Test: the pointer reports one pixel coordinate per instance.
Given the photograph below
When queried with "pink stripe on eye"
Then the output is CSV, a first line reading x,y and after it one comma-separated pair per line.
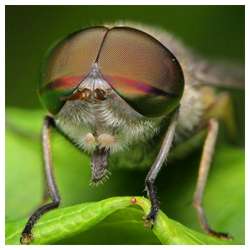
x,y
67,82
134,86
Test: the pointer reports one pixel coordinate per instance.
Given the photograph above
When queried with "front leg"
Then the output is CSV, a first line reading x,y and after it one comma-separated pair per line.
x,y
155,169
26,236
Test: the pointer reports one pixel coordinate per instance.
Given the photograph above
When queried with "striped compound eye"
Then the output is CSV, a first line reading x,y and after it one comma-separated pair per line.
x,y
136,65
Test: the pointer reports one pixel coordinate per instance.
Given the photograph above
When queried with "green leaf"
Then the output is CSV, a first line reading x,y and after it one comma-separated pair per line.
x,y
65,222
224,197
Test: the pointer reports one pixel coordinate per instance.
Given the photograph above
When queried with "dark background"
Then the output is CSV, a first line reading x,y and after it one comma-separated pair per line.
x,y
215,31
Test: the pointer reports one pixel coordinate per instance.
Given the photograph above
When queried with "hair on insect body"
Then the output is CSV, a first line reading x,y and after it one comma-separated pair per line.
x,y
108,88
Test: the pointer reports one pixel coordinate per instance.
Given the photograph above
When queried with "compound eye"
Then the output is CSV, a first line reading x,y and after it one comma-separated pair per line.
x,y
142,71
67,64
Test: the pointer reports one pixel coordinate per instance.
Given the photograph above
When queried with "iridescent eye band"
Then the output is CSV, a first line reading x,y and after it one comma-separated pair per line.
x,y
135,87
67,82
116,82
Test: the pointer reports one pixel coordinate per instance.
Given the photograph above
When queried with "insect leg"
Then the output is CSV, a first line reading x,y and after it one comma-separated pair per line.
x,y
205,163
26,235
46,194
155,169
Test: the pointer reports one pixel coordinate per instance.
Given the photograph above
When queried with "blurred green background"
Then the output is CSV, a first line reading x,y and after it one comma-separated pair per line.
x,y
215,31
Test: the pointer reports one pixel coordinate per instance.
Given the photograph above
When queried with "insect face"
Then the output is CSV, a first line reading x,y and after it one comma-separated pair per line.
x,y
94,115
116,82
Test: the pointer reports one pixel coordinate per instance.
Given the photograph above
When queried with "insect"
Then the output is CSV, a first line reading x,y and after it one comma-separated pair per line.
x,y
115,88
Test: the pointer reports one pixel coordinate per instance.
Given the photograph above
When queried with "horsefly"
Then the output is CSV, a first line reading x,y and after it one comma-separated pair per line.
x,y
113,89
